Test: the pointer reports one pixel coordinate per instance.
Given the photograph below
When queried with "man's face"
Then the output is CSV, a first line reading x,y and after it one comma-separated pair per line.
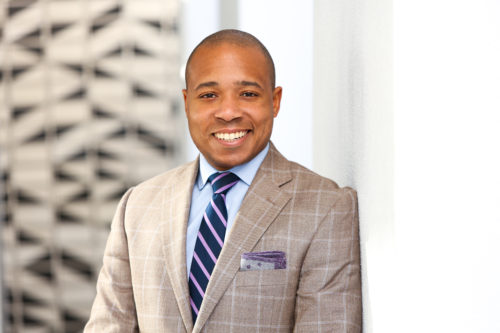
x,y
230,103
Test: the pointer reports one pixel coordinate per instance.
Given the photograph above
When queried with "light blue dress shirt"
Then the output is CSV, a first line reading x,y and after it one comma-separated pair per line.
x,y
202,194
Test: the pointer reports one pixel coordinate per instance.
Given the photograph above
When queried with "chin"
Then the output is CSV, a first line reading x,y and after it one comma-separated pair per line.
x,y
229,163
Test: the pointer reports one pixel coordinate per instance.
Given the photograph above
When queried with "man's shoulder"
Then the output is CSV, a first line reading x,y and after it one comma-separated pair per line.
x,y
310,192
302,178
306,179
177,180
169,177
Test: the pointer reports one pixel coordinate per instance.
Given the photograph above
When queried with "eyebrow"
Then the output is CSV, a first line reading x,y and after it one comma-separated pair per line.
x,y
249,83
207,84
239,83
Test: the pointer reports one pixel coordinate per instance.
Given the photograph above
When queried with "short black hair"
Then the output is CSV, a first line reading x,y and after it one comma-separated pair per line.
x,y
237,37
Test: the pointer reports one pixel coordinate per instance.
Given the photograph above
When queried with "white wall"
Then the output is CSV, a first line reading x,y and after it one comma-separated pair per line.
x,y
447,102
413,122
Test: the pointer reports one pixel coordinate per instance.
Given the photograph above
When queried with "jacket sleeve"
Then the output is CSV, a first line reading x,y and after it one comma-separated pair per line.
x,y
114,309
329,291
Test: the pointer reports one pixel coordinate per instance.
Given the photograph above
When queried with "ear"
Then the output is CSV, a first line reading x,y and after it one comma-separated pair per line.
x,y
184,93
276,100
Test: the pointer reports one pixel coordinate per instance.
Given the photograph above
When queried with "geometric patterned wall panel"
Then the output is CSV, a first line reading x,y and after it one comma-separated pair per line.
x,y
90,104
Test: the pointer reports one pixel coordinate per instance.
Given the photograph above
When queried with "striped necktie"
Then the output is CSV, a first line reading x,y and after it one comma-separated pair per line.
x,y
210,238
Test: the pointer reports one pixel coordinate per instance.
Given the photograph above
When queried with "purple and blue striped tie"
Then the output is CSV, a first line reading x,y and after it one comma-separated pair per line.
x,y
210,238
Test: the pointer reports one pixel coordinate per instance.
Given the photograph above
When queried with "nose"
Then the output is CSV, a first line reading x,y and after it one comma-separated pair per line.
x,y
229,109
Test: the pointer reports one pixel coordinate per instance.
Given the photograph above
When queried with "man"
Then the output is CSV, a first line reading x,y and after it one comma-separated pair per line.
x,y
268,246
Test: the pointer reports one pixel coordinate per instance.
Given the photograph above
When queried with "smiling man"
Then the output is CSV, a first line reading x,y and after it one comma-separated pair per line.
x,y
241,239
230,102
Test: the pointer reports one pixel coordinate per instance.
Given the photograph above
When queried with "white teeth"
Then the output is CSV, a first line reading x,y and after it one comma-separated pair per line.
x,y
230,136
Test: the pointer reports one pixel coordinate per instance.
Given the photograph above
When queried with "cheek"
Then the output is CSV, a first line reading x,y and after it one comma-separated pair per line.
x,y
197,121
195,129
266,123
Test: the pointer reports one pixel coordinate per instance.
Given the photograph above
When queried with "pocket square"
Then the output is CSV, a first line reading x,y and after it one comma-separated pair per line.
x,y
253,261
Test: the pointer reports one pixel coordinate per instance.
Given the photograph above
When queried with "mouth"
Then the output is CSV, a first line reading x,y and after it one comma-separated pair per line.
x,y
230,137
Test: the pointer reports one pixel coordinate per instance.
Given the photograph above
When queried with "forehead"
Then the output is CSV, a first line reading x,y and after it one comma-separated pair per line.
x,y
222,48
227,59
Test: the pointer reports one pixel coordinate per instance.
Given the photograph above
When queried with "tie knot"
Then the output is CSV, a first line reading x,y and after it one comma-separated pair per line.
x,y
222,181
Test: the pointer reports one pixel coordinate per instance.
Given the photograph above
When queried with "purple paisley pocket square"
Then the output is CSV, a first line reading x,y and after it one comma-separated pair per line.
x,y
255,261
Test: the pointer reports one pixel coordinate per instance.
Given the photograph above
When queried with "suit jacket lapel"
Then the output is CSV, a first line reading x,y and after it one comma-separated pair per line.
x,y
177,200
261,205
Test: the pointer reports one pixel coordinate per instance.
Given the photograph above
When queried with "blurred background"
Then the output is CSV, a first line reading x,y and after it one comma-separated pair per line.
x,y
398,99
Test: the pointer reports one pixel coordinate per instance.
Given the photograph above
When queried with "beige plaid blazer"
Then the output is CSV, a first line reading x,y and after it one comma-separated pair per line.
x,y
143,284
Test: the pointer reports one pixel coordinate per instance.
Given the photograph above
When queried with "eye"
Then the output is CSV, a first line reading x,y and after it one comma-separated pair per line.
x,y
208,95
249,94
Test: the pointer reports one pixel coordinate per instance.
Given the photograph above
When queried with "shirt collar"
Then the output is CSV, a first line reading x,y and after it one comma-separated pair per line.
x,y
246,172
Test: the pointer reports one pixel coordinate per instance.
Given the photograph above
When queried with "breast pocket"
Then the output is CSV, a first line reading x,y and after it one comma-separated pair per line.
x,y
261,278
265,295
